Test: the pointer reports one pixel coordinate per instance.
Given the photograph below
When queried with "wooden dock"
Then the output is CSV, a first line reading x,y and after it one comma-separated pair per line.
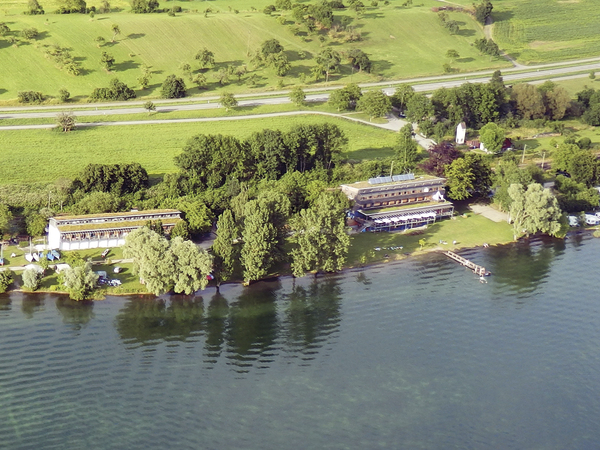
x,y
477,269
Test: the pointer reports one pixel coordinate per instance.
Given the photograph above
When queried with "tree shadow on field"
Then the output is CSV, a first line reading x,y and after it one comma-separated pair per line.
x,y
374,15
294,55
295,71
4,44
136,35
3,91
225,64
502,16
41,36
465,60
466,32
126,65
381,64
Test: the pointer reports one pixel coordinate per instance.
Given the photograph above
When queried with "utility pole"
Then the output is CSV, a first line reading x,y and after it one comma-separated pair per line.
x,y
543,159
523,157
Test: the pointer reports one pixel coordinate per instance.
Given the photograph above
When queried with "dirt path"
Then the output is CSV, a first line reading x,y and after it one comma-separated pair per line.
x,y
489,212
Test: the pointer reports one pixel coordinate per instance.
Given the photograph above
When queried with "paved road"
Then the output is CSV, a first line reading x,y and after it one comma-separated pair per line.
x,y
546,71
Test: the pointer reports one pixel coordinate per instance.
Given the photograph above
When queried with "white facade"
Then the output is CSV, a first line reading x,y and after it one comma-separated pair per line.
x,y
103,230
461,133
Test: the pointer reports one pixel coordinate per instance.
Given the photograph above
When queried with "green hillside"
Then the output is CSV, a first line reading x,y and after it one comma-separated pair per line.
x,y
401,42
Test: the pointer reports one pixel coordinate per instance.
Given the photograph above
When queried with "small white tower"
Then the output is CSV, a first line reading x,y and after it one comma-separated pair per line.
x,y
461,133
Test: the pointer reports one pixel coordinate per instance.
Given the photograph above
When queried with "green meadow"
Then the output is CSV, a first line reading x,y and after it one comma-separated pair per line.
x,y
46,155
467,229
547,30
401,42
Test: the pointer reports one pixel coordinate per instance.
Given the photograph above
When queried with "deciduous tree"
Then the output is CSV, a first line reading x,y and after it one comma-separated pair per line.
x,y
6,279
492,137
297,96
228,101
320,237
66,121
31,279
260,240
192,265
533,210
407,149
375,104
173,87
80,281
225,248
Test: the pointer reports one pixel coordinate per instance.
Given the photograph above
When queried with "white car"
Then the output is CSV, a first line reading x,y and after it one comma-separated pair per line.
x,y
573,221
592,219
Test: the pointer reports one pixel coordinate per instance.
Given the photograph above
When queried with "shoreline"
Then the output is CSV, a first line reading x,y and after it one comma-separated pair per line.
x,y
347,268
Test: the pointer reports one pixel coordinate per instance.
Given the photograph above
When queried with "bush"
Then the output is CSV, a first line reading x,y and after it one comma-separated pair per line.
x,y
31,279
269,9
173,87
117,90
29,33
64,95
144,6
30,97
6,278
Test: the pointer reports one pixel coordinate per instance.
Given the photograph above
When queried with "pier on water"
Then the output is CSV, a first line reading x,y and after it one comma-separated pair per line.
x,y
479,270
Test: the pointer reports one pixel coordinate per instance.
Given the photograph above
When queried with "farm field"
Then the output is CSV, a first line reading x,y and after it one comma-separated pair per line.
x,y
540,31
401,42
46,155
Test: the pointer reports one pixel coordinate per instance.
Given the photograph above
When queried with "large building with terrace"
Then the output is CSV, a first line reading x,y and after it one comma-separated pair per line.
x,y
104,230
398,203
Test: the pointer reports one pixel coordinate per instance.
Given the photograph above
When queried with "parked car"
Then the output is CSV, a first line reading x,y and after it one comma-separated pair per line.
x,y
105,253
117,269
592,219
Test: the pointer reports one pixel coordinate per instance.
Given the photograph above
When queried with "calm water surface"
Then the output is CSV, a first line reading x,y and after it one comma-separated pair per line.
x,y
417,354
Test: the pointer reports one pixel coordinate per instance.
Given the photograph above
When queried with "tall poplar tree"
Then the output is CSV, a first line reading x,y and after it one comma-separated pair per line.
x,y
260,241
224,250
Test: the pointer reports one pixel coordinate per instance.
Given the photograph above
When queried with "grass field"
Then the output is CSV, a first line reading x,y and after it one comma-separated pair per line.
x,y
402,42
469,231
547,30
46,155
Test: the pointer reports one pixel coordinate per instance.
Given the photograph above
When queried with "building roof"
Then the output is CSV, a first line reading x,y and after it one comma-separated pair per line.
x,y
416,181
106,226
117,214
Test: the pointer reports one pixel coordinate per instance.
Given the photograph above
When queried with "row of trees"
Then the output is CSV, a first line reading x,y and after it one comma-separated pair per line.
x,y
209,160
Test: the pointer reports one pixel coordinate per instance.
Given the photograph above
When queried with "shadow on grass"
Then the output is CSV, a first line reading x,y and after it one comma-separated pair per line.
x,y
502,16
126,65
136,35
466,32
465,60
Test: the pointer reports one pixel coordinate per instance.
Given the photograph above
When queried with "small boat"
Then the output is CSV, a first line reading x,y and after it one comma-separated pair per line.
x,y
55,254
36,257
29,257
50,256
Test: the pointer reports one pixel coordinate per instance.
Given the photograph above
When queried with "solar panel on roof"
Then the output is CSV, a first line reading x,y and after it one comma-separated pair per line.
x,y
404,177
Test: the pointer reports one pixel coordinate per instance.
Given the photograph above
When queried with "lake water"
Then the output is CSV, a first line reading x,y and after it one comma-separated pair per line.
x,y
415,354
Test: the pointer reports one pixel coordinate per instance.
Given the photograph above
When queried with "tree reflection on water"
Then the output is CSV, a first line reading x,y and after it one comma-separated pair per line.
x,y
249,326
76,314
524,265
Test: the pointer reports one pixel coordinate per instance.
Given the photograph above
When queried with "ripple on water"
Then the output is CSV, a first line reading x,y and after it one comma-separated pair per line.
x,y
414,354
